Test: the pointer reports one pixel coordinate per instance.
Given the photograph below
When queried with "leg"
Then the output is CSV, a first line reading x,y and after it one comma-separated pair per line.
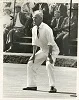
x,y
32,68
5,39
10,35
50,71
10,38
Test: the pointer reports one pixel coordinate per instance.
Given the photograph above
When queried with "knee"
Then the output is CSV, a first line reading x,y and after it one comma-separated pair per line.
x,y
11,31
65,36
49,65
30,63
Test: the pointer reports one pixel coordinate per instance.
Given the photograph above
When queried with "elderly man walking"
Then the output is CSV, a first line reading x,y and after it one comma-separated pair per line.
x,y
42,36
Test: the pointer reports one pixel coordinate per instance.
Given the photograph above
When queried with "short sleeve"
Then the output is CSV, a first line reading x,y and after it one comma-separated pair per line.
x,y
51,41
50,37
33,36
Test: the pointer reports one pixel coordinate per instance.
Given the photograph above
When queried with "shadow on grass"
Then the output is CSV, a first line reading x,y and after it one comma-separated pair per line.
x,y
59,92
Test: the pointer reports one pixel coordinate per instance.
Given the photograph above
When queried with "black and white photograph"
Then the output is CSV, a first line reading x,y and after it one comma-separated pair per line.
x,y
40,49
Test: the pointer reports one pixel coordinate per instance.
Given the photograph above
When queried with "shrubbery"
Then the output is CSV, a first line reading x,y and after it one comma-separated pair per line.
x,y
62,62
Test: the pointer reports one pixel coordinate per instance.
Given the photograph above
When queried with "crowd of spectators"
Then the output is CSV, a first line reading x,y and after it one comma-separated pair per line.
x,y
57,16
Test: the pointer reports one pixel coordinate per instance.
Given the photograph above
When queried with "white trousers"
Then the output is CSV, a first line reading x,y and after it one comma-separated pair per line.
x,y
40,57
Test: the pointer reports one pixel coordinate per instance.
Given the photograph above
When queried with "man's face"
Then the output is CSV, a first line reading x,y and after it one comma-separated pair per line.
x,y
57,14
37,20
18,9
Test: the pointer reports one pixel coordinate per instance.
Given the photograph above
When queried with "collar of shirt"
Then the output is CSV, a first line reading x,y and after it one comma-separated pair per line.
x,y
41,25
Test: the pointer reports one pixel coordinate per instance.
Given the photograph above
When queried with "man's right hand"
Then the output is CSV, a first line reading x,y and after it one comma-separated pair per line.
x,y
33,58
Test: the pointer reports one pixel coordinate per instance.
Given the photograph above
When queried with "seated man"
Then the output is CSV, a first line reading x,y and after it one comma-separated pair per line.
x,y
56,26
20,22
6,25
64,36
56,23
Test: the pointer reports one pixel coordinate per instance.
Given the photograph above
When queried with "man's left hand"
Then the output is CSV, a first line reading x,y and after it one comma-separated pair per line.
x,y
50,59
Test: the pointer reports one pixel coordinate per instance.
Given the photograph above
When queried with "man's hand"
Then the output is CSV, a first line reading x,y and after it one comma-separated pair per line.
x,y
49,58
33,58
55,29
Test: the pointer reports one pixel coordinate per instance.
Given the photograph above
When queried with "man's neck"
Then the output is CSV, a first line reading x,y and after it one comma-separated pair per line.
x,y
39,24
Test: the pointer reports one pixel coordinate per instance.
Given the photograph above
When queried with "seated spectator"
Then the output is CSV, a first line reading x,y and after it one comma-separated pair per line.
x,y
7,25
67,32
56,26
62,8
56,23
20,24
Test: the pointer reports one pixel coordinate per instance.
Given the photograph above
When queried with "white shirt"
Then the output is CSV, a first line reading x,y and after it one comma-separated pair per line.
x,y
18,23
45,38
6,20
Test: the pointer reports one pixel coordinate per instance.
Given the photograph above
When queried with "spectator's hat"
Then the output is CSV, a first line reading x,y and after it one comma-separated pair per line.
x,y
18,5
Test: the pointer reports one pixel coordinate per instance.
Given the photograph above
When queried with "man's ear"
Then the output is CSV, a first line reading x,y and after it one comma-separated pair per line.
x,y
41,19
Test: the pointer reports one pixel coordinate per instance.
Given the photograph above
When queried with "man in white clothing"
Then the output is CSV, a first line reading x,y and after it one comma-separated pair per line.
x,y
42,36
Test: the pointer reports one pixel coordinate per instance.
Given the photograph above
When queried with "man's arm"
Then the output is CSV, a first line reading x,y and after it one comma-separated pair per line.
x,y
53,48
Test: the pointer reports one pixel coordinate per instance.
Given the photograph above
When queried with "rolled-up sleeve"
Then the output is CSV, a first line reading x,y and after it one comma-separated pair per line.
x,y
33,36
50,37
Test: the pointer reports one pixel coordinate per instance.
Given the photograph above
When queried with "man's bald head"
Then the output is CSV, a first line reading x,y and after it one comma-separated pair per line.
x,y
37,17
38,13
